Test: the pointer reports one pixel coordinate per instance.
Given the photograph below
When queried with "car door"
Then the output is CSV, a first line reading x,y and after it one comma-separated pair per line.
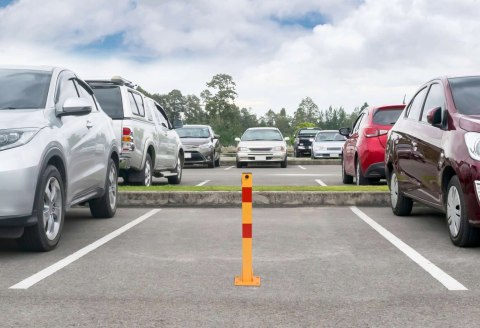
x,y
167,153
351,146
158,134
216,142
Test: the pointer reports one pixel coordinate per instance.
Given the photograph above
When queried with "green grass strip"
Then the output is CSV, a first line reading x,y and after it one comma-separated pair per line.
x,y
255,188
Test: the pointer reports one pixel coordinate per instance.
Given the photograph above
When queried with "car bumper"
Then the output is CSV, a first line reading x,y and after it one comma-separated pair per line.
x,y
326,153
376,170
245,157
471,189
198,156
18,179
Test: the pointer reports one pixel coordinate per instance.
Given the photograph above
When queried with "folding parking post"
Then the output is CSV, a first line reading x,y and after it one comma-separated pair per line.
x,y
247,278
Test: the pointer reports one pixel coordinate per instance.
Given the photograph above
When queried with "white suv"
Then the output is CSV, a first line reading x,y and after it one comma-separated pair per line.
x,y
149,144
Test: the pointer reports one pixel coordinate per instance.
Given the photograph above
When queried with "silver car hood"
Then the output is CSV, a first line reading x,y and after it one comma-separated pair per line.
x,y
261,144
16,119
194,141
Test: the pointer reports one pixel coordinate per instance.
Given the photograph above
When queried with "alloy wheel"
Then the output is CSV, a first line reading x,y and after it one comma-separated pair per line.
x,y
148,174
52,208
112,190
454,211
394,190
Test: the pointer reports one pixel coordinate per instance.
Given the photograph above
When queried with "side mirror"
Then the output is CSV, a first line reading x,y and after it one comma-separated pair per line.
x,y
286,138
237,139
216,136
344,132
75,106
434,116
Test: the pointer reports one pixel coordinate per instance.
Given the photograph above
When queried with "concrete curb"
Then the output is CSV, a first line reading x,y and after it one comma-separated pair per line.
x,y
260,199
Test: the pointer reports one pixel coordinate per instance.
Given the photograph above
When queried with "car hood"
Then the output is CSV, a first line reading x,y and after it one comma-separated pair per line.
x,y
470,123
329,143
261,144
16,119
194,141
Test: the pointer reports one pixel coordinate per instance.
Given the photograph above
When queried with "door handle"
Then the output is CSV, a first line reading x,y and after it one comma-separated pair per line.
x,y
89,124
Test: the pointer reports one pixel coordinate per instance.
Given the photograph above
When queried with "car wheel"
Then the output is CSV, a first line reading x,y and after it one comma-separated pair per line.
x,y
217,162
147,172
346,179
461,232
211,164
361,180
50,212
106,206
176,179
239,165
284,163
401,205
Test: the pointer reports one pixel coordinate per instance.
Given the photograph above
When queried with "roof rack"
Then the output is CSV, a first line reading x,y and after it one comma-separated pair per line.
x,y
115,80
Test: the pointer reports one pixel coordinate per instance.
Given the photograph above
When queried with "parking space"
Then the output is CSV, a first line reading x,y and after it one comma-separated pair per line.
x,y
293,175
319,267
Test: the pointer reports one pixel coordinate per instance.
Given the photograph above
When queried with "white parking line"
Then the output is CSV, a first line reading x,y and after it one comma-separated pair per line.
x,y
302,167
228,168
437,273
203,183
32,280
320,182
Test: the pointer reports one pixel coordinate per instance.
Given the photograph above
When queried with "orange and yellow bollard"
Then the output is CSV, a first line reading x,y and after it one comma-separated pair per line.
x,y
247,278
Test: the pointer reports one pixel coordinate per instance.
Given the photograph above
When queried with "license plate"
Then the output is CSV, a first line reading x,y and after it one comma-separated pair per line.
x,y
188,155
260,158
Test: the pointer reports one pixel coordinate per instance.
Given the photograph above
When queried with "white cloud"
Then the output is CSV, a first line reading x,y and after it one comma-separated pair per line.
x,y
375,51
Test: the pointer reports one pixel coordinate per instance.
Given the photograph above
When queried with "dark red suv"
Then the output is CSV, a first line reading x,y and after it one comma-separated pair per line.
x,y
364,151
433,155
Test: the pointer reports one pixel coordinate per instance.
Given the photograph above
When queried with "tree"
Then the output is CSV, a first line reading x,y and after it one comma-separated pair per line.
x,y
307,111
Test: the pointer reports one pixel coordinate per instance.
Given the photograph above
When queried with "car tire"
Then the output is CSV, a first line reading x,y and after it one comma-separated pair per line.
x,y
361,180
217,161
239,165
401,204
50,211
106,206
461,232
146,172
284,163
211,164
346,179
176,179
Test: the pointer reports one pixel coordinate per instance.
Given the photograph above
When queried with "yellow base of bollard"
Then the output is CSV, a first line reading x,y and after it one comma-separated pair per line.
x,y
239,282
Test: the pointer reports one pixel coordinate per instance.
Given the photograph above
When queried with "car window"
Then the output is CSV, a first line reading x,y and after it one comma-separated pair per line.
x,y
65,89
329,136
149,108
356,125
435,98
466,94
85,94
23,89
110,99
387,116
133,104
140,105
308,132
262,134
162,119
415,107
193,132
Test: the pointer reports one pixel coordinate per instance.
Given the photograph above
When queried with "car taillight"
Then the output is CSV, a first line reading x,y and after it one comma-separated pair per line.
x,y
127,139
373,132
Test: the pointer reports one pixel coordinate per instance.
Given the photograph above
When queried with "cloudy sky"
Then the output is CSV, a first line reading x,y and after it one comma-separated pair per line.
x,y
338,52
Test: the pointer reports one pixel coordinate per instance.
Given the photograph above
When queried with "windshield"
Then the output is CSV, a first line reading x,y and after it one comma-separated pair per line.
x,y
23,89
110,100
262,134
330,136
387,116
466,94
308,132
193,132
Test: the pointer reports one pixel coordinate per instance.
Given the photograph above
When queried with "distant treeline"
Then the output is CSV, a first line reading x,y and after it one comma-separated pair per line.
x,y
216,107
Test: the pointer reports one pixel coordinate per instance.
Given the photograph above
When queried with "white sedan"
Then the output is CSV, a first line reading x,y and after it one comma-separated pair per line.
x,y
327,143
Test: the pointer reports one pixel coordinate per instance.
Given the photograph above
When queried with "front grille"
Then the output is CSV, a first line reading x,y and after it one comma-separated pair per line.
x,y
260,149
334,148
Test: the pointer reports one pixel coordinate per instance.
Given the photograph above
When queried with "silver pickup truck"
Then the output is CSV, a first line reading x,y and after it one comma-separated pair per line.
x,y
149,144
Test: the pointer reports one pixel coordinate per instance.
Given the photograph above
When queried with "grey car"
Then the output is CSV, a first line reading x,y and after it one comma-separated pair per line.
x,y
201,145
57,149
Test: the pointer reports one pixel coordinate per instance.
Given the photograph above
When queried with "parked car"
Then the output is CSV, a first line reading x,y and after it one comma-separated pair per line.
x,y
201,145
327,143
262,145
363,153
302,144
433,155
150,145
57,149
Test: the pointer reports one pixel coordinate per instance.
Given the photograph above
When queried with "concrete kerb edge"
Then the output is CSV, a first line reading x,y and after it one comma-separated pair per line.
x,y
260,199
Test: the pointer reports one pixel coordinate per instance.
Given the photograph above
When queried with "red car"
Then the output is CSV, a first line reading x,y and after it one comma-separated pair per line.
x,y
433,155
363,153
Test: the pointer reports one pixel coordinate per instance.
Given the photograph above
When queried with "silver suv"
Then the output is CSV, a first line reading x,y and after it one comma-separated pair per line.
x,y
57,149
149,144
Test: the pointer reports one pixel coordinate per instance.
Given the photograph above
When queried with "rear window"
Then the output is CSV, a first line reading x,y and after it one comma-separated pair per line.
x,y
466,94
387,116
110,98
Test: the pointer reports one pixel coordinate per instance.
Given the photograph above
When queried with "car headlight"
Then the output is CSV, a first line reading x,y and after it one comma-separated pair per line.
x,y
278,148
12,138
242,149
311,139
472,140
207,145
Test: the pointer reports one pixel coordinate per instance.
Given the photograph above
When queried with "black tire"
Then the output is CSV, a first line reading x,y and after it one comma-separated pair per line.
x,y
217,161
401,204
284,163
211,164
361,180
346,179
465,234
176,179
146,172
106,206
239,165
42,238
